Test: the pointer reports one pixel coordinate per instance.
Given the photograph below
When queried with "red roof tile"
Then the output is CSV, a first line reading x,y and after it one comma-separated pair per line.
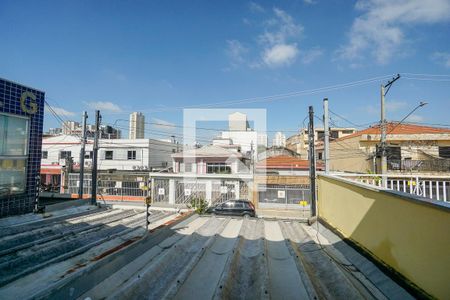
x,y
284,162
394,128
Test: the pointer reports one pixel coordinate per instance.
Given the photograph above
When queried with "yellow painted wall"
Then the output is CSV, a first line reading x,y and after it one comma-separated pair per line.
x,y
413,238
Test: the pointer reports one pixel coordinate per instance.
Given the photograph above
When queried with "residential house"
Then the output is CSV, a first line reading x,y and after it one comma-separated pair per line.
x,y
61,155
214,173
282,182
410,148
299,141
211,159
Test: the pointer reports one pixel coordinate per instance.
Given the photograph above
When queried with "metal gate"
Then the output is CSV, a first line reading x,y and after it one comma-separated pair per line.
x,y
284,196
186,191
161,190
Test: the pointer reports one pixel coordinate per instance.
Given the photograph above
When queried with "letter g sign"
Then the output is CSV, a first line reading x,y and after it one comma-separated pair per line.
x,y
32,106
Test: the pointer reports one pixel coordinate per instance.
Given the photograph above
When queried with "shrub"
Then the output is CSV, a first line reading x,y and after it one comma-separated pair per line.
x,y
199,205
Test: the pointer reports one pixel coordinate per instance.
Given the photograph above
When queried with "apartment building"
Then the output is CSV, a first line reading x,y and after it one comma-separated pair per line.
x,y
61,154
137,126
299,142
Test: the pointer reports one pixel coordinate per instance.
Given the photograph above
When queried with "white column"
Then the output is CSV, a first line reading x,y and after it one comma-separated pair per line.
x,y
171,191
237,190
208,191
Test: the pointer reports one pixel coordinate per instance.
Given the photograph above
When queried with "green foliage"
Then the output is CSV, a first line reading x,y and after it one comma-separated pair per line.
x,y
199,205
376,178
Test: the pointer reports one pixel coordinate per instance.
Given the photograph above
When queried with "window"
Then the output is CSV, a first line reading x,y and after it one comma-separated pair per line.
x,y
238,204
131,154
444,152
320,156
65,154
13,154
228,204
108,155
393,153
44,154
218,168
347,131
13,135
320,135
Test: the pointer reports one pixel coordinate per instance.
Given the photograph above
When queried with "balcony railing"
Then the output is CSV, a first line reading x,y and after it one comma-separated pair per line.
x,y
433,187
434,165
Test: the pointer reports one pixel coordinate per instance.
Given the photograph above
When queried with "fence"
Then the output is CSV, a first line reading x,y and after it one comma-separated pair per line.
x,y
112,187
435,165
284,196
182,190
433,187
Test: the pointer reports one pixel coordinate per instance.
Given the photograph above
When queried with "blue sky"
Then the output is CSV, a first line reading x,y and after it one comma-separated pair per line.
x,y
159,56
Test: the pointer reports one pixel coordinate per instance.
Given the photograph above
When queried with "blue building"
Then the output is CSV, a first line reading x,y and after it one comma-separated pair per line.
x,y
21,121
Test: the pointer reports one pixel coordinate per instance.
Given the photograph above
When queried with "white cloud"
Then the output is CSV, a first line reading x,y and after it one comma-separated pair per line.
x,y
309,1
415,118
280,55
390,107
278,40
115,75
311,55
277,44
104,106
162,124
281,29
256,8
442,58
394,106
60,111
236,51
381,28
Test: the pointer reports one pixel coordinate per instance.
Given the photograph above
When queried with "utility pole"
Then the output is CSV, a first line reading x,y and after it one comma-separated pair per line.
x,y
327,136
252,158
383,123
312,160
82,153
383,134
95,158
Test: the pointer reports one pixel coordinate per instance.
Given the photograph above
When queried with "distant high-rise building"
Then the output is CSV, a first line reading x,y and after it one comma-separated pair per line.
x,y
238,122
137,125
279,140
54,131
109,132
70,127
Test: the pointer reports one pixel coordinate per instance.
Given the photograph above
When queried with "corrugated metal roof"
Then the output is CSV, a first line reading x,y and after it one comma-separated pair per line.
x,y
235,258
89,255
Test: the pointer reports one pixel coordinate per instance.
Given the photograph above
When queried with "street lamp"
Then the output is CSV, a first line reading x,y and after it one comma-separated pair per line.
x,y
384,163
421,104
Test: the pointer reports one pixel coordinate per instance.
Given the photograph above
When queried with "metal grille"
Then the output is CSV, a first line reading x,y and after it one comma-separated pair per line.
x,y
222,192
161,190
125,186
289,196
186,191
